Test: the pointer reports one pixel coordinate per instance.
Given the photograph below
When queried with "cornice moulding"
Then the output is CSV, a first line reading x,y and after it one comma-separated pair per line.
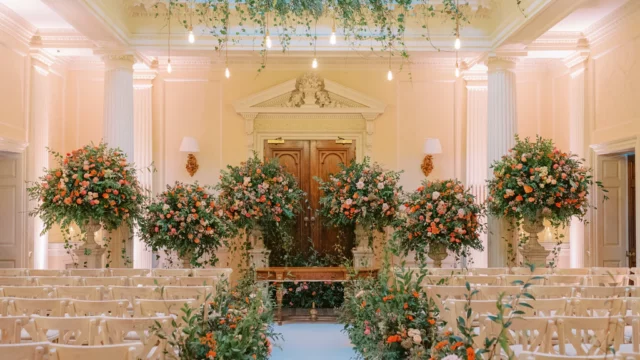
x,y
608,25
14,25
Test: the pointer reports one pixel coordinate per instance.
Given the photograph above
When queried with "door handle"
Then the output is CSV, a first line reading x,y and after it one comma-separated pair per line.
x,y
631,254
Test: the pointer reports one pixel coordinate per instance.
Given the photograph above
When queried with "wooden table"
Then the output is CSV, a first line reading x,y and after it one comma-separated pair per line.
x,y
279,275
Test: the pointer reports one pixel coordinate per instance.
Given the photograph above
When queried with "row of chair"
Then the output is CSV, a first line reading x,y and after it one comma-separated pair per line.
x,y
106,272
490,292
576,280
536,271
51,351
109,281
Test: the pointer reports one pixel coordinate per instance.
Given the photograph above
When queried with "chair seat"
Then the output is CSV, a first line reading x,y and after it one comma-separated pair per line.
x,y
628,334
626,348
132,336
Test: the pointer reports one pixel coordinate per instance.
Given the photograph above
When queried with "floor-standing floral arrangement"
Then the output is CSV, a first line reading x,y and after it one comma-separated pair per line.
x,y
260,196
441,216
537,181
186,218
94,187
361,194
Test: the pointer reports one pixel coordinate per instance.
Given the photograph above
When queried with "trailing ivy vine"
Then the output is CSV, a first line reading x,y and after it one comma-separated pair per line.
x,y
381,24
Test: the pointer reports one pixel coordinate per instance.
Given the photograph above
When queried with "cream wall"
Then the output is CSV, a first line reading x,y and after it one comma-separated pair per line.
x,y
14,89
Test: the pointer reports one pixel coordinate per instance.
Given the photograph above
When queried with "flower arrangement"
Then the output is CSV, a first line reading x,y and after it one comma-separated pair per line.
x,y
360,193
185,218
92,184
536,179
259,193
390,321
237,326
303,295
440,213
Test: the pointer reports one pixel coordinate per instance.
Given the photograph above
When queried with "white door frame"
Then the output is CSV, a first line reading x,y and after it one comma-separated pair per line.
x,y
18,148
628,144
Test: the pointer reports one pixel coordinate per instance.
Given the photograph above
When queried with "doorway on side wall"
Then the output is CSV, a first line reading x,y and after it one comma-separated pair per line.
x,y
615,217
306,160
13,250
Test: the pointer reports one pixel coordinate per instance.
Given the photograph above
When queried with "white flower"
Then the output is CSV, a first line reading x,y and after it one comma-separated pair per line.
x,y
385,207
417,339
459,197
380,185
265,185
349,202
413,332
359,185
165,207
435,195
461,213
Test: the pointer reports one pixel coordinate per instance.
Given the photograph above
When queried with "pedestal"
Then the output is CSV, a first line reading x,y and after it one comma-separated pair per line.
x,y
89,255
532,251
362,253
258,253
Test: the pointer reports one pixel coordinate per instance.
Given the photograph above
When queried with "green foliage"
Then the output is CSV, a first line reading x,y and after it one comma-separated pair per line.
x,y
440,212
361,193
537,179
237,326
185,218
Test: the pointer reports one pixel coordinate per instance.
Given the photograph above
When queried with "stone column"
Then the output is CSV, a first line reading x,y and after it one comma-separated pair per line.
x,y
476,152
37,154
118,132
143,155
577,66
501,128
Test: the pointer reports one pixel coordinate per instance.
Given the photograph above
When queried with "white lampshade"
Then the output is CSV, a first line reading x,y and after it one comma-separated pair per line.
x,y
189,145
432,146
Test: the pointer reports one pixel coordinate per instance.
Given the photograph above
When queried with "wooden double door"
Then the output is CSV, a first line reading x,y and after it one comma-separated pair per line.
x,y
306,160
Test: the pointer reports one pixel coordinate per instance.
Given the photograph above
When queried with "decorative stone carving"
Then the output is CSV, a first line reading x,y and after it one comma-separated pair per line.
x,y
310,92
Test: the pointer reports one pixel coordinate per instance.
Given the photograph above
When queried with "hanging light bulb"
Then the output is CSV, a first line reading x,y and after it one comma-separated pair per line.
x,y
332,38
169,69
314,63
227,73
192,38
457,43
390,75
267,40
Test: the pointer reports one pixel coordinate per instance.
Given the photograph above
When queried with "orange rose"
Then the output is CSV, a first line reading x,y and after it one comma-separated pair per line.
x,y
471,355
528,189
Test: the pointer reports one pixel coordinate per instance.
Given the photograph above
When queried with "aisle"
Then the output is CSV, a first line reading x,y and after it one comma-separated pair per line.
x,y
313,341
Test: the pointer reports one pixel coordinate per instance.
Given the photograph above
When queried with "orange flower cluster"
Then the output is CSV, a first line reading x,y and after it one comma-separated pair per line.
x,y
210,342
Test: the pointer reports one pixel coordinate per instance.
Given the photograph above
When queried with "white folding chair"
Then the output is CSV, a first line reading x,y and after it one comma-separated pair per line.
x,y
132,293
15,281
154,308
547,307
115,308
128,272
566,280
46,272
11,328
523,334
79,292
219,272
171,272
551,291
609,271
127,351
603,292
122,331
520,280
197,281
198,293
71,330
545,356
588,336
633,323
608,280
442,293
42,307
489,292
88,272
27,351
570,271
438,280
12,272
489,271
598,307
479,280
57,281
456,308
151,281
527,271
28,292
445,272
105,281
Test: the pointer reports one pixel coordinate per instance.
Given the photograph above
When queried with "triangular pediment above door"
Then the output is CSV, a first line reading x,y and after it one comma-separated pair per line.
x,y
307,95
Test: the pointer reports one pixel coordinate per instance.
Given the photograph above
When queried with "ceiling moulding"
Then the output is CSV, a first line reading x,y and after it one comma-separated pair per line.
x,y
60,38
556,40
515,22
14,25
608,25
534,65
84,64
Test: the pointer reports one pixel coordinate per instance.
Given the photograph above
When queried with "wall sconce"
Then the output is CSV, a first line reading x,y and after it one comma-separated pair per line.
x,y
431,146
190,145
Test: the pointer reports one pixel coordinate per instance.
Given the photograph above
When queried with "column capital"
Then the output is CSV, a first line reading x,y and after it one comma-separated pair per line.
x,y
475,80
41,61
143,79
501,63
118,60
577,62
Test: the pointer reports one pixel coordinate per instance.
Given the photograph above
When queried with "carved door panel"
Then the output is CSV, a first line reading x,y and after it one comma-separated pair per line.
x,y
12,242
611,215
294,156
326,155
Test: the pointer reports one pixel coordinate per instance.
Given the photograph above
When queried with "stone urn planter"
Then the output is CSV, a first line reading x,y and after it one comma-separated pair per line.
x,y
362,253
89,254
437,253
532,251
259,254
186,259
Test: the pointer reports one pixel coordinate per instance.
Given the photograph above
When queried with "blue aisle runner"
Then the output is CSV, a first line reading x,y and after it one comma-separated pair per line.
x,y
312,341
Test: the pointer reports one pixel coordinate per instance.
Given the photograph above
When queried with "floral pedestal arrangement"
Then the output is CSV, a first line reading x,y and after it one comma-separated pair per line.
x,y
532,251
437,253
362,253
90,254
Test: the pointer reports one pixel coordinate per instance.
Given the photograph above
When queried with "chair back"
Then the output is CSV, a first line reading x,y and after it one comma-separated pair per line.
x,y
12,272
171,272
26,351
551,291
438,280
219,272
57,281
105,281
11,328
28,292
489,271
198,293
527,271
442,293
603,292
479,280
598,307
493,292
88,272
42,307
15,281
46,272
128,351
151,281
132,293
566,280
570,271
608,280
519,280
79,292
531,333
117,331
153,308
588,336
197,281
609,271
71,330
128,272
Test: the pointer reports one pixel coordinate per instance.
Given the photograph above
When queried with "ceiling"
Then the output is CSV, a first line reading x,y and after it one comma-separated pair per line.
x,y
37,14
